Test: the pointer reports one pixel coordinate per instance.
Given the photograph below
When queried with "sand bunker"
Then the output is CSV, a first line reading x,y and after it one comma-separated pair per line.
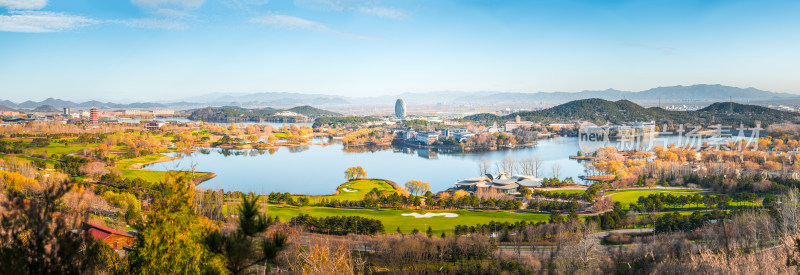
x,y
348,190
429,215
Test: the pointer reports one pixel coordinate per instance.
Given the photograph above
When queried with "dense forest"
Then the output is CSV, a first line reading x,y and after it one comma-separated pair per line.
x,y
236,114
603,111
343,121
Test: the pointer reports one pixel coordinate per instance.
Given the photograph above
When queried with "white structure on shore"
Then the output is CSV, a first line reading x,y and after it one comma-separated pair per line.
x,y
500,181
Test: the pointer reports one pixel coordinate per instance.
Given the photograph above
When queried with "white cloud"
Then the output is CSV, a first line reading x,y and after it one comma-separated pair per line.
x,y
290,22
37,21
165,14
23,4
385,12
152,23
372,7
158,4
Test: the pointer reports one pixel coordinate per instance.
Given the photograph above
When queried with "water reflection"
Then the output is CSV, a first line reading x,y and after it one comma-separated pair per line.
x,y
318,169
298,149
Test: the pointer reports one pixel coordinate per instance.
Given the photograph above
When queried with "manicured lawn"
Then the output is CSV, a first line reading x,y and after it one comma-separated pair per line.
x,y
49,162
632,195
147,175
123,164
59,148
361,188
392,219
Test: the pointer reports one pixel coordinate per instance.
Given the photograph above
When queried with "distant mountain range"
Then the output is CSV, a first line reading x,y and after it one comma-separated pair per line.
x,y
674,94
58,103
601,111
700,92
267,99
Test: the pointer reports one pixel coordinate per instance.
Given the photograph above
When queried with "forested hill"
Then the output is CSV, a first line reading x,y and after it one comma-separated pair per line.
x,y
602,111
236,114
312,112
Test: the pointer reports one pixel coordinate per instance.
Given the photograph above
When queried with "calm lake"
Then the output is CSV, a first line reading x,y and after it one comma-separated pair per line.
x,y
319,169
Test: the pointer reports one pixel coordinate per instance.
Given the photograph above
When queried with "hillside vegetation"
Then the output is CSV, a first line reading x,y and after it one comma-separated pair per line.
x,y
603,111
236,114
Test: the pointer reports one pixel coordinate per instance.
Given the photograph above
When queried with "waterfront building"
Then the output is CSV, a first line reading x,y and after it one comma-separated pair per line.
x,y
463,137
493,129
288,113
499,181
452,132
517,123
427,137
408,135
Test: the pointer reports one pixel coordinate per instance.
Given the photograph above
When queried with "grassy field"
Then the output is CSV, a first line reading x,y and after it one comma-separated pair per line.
x,y
392,219
147,175
632,195
124,164
60,148
361,187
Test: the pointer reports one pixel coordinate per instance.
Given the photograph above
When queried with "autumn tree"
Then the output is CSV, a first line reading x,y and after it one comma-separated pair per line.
x,y
35,240
417,187
525,191
354,173
93,169
170,236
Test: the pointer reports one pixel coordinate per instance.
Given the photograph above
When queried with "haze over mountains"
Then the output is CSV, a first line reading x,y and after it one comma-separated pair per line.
x,y
674,94
602,111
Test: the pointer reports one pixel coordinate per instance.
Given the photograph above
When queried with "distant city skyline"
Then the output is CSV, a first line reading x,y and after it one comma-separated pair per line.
x,y
151,50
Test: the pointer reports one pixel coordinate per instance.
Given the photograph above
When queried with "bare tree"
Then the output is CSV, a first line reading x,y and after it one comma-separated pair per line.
x,y
483,166
556,170
526,166
537,165
790,212
587,250
508,165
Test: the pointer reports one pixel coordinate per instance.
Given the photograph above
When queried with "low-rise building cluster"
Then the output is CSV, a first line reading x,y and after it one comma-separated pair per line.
x,y
509,184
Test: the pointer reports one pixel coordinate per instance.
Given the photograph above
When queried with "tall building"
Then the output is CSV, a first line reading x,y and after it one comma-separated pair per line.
x,y
93,117
66,111
400,108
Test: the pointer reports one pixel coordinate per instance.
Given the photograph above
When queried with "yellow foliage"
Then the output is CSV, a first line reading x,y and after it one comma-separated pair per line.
x,y
460,193
16,181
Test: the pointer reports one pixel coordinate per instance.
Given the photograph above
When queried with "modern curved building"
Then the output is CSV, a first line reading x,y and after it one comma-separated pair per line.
x,y
400,108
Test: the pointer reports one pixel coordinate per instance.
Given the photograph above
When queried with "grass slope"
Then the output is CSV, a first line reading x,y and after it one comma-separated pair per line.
x,y
627,196
147,175
60,148
361,187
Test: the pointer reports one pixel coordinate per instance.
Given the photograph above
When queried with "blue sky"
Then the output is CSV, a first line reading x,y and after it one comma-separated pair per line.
x,y
149,50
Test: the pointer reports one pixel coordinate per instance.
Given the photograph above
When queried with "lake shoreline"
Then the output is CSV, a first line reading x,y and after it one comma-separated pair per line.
x,y
317,170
